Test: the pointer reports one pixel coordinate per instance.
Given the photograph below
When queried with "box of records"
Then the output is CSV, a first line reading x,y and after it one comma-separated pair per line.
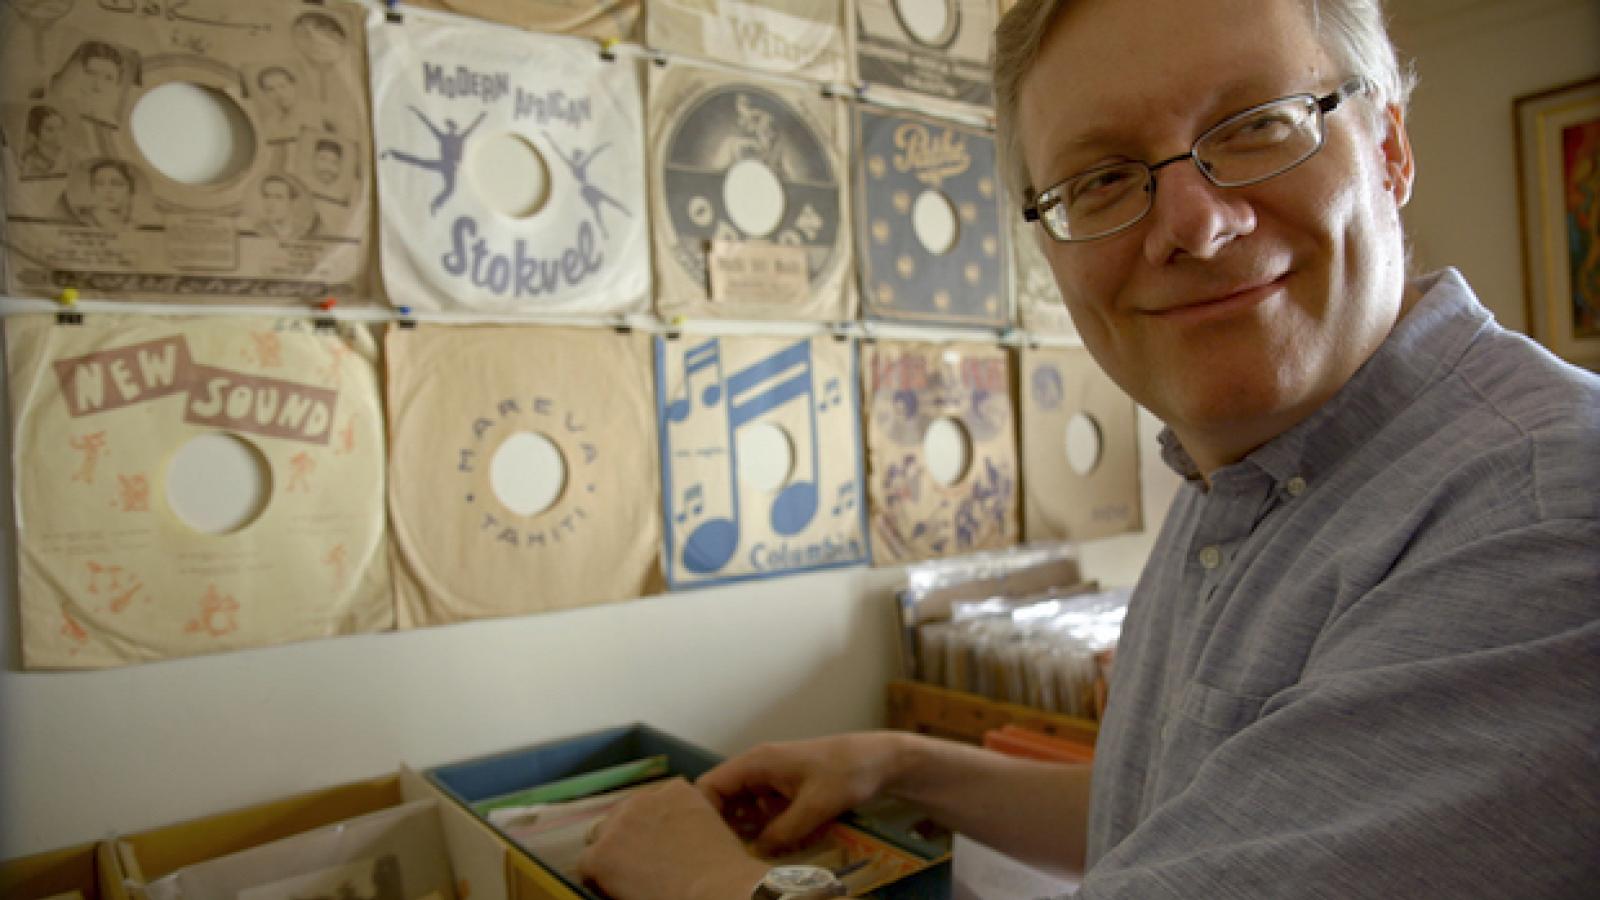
x,y
546,797
390,838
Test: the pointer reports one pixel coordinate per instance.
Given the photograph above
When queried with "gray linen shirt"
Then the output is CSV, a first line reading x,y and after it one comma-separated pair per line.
x,y
1366,661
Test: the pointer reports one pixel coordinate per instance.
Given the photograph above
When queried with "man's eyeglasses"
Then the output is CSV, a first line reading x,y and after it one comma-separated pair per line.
x,y
1245,148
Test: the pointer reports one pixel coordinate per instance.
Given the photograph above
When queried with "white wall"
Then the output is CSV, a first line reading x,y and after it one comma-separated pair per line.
x,y
1475,57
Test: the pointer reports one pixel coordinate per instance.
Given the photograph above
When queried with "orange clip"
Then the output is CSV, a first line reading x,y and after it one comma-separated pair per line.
x,y
327,304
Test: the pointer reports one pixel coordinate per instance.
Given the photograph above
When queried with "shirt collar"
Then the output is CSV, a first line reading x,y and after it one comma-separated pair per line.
x,y
1420,351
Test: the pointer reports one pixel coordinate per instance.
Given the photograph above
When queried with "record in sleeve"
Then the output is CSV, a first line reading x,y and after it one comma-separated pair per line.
x,y
510,171
916,50
604,20
923,507
283,218
760,458
932,248
797,38
1038,301
740,161
523,474
1080,454
114,567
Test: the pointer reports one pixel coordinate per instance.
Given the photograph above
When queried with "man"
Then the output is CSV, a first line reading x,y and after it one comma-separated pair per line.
x,y
278,219
327,162
1361,661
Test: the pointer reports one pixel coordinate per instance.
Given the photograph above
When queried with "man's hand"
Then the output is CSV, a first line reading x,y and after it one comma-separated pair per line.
x,y
779,795
668,843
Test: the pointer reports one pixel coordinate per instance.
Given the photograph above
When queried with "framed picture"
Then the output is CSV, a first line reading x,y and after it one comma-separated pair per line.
x,y
1558,162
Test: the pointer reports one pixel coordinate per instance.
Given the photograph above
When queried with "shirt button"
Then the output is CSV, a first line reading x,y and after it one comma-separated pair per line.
x,y
1295,486
1210,557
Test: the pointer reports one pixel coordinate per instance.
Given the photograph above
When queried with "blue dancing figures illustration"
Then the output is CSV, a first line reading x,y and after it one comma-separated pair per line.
x,y
452,147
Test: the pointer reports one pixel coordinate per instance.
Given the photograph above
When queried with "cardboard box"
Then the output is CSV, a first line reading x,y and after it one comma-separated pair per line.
x,y
51,874
485,866
471,781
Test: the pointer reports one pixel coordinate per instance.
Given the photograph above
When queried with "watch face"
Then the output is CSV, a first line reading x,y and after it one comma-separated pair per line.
x,y
789,879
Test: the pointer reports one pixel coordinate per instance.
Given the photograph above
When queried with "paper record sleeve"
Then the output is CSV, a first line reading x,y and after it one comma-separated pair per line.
x,y
917,52
707,131
760,457
470,406
110,571
605,20
1080,453
931,246
908,387
469,118
283,218
796,38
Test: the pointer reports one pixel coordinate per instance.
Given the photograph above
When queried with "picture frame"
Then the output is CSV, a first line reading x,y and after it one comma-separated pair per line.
x,y
1558,182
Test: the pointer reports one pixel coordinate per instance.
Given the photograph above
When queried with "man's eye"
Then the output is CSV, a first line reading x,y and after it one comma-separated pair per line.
x,y
1098,184
1260,131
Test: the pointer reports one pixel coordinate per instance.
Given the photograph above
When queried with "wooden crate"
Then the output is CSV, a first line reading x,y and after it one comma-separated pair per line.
x,y
929,709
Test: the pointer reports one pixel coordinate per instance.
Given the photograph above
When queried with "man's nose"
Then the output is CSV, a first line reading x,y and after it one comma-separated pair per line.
x,y
1190,216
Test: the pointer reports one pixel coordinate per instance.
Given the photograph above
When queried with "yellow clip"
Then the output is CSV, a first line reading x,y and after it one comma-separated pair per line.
x,y
69,297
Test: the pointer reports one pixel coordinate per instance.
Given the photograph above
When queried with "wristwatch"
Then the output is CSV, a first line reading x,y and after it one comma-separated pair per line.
x,y
799,883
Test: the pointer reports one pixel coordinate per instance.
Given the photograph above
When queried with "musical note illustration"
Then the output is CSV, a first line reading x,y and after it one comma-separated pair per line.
x,y
752,393
693,504
705,356
832,395
847,498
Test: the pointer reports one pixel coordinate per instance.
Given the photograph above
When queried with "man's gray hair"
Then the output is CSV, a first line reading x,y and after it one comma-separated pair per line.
x,y
1352,31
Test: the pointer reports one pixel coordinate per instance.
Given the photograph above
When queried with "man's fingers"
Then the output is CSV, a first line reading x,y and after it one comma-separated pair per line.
x,y
793,826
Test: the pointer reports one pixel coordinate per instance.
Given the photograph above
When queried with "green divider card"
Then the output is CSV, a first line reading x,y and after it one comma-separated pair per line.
x,y
577,786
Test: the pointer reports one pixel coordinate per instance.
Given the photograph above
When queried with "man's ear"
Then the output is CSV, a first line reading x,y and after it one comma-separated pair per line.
x,y
1399,166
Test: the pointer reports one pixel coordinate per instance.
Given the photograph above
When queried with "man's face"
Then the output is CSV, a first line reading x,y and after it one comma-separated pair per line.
x,y
1231,313
280,88
325,164
275,200
111,190
100,76
48,140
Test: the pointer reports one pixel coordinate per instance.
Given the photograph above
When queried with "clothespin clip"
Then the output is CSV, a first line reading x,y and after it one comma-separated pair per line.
x,y
68,314
621,325
393,13
405,320
841,331
326,323
659,58
608,49
674,326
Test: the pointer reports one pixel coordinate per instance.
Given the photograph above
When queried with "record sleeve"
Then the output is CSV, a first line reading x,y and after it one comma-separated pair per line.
x,y
915,50
909,387
475,412
105,416
732,412
284,218
451,100
1080,436
603,20
397,853
741,165
932,249
1040,308
797,38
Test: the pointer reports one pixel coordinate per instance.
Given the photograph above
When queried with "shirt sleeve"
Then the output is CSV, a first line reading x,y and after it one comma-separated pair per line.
x,y
1443,741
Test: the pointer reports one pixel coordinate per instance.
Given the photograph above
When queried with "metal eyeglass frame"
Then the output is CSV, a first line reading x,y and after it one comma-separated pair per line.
x,y
1327,103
